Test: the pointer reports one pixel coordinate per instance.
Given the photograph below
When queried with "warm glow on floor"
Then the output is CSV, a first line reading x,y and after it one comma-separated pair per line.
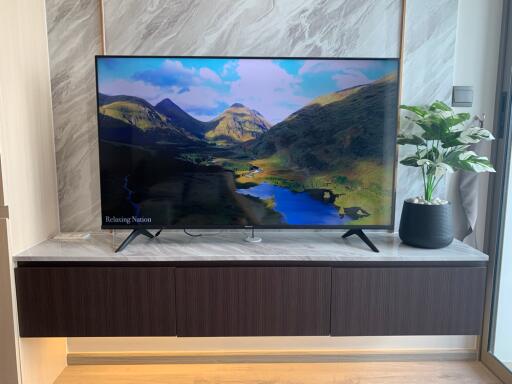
x,y
297,373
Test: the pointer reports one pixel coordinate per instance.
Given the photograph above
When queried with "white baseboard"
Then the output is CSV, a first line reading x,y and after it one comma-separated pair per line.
x,y
270,356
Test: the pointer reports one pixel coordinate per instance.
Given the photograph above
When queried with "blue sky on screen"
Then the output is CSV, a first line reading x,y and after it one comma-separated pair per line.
x,y
206,87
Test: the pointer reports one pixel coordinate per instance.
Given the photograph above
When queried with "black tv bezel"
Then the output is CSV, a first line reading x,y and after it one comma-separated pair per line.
x,y
389,226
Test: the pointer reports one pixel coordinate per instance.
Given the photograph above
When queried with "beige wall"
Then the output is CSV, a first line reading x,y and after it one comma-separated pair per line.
x,y
29,176
9,367
476,64
42,360
26,138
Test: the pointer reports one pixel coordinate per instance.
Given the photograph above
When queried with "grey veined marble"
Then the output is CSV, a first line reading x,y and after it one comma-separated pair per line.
x,y
427,75
351,28
73,40
229,246
342,28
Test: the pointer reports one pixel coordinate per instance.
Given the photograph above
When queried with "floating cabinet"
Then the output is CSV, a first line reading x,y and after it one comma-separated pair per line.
x,y
212,299
407,301
96,301
253,301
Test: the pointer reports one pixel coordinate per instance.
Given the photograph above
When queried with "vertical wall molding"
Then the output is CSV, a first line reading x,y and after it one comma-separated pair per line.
x,y
102,28
401,51
403,14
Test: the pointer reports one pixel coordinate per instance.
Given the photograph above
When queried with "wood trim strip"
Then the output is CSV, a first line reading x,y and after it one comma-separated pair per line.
x,y
400,92
284,356
4,211
1,185
402,31
103,49
401,53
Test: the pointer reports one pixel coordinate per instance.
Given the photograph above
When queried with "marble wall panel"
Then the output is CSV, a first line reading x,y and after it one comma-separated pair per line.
x,y
73,40
427,75
343,28
254,27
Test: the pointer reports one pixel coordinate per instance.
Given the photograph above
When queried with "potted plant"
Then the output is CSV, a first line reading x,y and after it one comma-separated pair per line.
x,y
442,140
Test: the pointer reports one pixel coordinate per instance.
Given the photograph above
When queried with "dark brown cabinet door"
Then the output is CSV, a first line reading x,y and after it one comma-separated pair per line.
x,y
407,301
96,301
253,301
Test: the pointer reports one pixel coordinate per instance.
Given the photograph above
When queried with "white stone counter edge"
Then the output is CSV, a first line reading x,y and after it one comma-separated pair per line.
x,y
229,246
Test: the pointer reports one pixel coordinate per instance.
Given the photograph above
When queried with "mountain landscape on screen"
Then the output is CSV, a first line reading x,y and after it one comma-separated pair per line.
x,y
212,142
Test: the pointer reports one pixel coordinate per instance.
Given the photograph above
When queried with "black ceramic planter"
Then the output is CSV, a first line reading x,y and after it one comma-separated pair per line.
x,y
426,226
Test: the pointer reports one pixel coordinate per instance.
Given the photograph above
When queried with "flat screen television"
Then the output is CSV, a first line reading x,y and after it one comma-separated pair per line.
x,y
232,142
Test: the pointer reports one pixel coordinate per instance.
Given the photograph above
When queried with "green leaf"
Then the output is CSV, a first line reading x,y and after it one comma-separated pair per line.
x,y
451,139
452,156
431,154
418,110
472,162
474,135
457,119
469,161
454,152
412,140
431,169
433,127
439,106
442,169
439,125
468,135
410,161
422,162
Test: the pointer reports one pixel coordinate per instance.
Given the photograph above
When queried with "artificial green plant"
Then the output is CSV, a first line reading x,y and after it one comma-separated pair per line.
x,y
442,139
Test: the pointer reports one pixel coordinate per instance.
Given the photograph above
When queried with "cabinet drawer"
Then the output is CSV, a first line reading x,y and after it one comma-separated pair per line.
x,y
254,301
96,301
407,301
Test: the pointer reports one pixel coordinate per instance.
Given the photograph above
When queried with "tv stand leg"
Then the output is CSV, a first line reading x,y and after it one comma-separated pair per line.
x,y
252,238
132,236
359,233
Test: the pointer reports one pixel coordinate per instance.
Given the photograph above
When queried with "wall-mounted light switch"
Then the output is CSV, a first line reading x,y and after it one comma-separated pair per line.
x,y
462,96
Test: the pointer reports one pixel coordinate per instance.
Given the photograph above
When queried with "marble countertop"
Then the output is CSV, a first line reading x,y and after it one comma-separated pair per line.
x,y
325,246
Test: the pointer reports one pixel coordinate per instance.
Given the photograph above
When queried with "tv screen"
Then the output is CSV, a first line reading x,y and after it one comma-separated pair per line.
x,y
202,142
